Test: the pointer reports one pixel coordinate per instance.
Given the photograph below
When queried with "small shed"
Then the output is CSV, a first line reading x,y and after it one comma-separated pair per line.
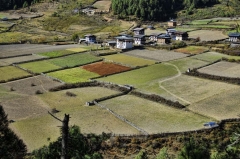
x,y
154,37
234,37
124,42
181,35
139,31
90,38
164,39
139,39
172,23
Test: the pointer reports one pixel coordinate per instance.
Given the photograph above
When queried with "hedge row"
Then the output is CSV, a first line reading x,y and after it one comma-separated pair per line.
x,y
14,79
232,80
159,99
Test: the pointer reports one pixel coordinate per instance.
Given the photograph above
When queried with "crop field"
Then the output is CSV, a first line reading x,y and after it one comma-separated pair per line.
x,y
212,26
192,49
74,60
224,105
56,53
146,79
91,119
26,49
31,85
222,68
157,55
73,75
128,60
10,72
105,68
80,49
154,117
188,62
213,56
39,66
200,22
207,35
194,89
9,61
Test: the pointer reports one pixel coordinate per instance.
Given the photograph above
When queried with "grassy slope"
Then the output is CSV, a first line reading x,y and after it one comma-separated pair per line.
x,y
10,72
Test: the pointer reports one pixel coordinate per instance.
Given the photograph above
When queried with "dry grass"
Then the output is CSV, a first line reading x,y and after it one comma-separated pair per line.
x,y
154,117
10,72
103,4
223,68
192,49
9,61
207,35
220,106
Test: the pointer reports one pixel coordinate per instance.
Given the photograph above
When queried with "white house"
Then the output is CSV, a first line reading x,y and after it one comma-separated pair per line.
x,y
234,37
124,42
139,31
181,35
139,39
90,38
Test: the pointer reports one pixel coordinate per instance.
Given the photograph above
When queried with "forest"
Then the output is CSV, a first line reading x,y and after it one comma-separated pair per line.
x,y
155,9
14,4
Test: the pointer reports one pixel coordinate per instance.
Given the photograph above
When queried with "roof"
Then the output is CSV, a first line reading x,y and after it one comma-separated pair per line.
x,y
180,32
89,35
164,36
139,36
138,29
124,38
211,124
234,34
155,34
171,30
111,42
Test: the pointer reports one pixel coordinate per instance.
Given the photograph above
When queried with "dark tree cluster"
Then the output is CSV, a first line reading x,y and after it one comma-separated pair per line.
x,y
155,9
14,4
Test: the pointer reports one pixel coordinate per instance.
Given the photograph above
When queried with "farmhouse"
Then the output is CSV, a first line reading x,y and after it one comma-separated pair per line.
x,y
124,42
139,39
111,44
90,38
172,23
171,31
234,37
138,31
163,39
181,35
153,37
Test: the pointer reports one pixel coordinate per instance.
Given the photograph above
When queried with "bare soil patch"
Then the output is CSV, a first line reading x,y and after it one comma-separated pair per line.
x,y
207,35
105,68
223,68
158,55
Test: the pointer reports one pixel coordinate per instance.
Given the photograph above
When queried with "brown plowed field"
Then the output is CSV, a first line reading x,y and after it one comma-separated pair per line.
x,y
104,68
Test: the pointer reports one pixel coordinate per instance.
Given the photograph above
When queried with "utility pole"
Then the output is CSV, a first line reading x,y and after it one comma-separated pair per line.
x,y
64,129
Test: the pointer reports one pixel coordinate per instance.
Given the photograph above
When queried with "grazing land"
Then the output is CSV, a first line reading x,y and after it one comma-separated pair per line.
x,y
105,68
158,55
128,60
73,75
9,61
192,49
222,68
39,66
207,35
195,89
146,79
221,106
188,62
10,72
154,117
74,60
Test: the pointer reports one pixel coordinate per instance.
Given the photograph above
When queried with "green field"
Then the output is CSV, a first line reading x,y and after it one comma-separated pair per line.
x,y
56,53
145,79
213,56
10,72
128,60
200,22
73,75
154,117
221,106
74,60
39,66
212,26
188,62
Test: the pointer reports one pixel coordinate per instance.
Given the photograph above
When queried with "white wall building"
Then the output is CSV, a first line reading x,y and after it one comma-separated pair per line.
x,y
124,42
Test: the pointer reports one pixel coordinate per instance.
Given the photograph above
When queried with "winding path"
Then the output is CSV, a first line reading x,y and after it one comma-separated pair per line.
x,y
171,78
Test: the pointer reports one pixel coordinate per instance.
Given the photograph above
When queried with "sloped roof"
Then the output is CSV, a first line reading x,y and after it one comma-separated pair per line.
x,y
164,36
138,29
139,36
234,34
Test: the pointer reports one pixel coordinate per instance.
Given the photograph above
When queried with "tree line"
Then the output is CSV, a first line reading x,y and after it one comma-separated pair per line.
x,y
14,4
155,9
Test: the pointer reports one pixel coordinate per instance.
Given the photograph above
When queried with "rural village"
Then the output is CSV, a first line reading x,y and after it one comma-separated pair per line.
x,y
143,83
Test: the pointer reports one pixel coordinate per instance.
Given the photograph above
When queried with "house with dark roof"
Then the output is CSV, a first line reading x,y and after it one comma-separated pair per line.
x,y
234,37
164,39
154,37
181,35
139,39
89,38
172,23
124,42
139,31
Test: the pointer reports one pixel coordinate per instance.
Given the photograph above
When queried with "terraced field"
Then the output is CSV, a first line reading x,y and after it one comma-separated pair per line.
x,y
192,49
11,72
127,60
73,75
9,61
56,53
154,117
207,35
213,56
39,66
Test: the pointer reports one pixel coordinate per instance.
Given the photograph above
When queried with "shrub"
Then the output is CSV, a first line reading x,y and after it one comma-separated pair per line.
x,y
70,94
38,92
12,89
